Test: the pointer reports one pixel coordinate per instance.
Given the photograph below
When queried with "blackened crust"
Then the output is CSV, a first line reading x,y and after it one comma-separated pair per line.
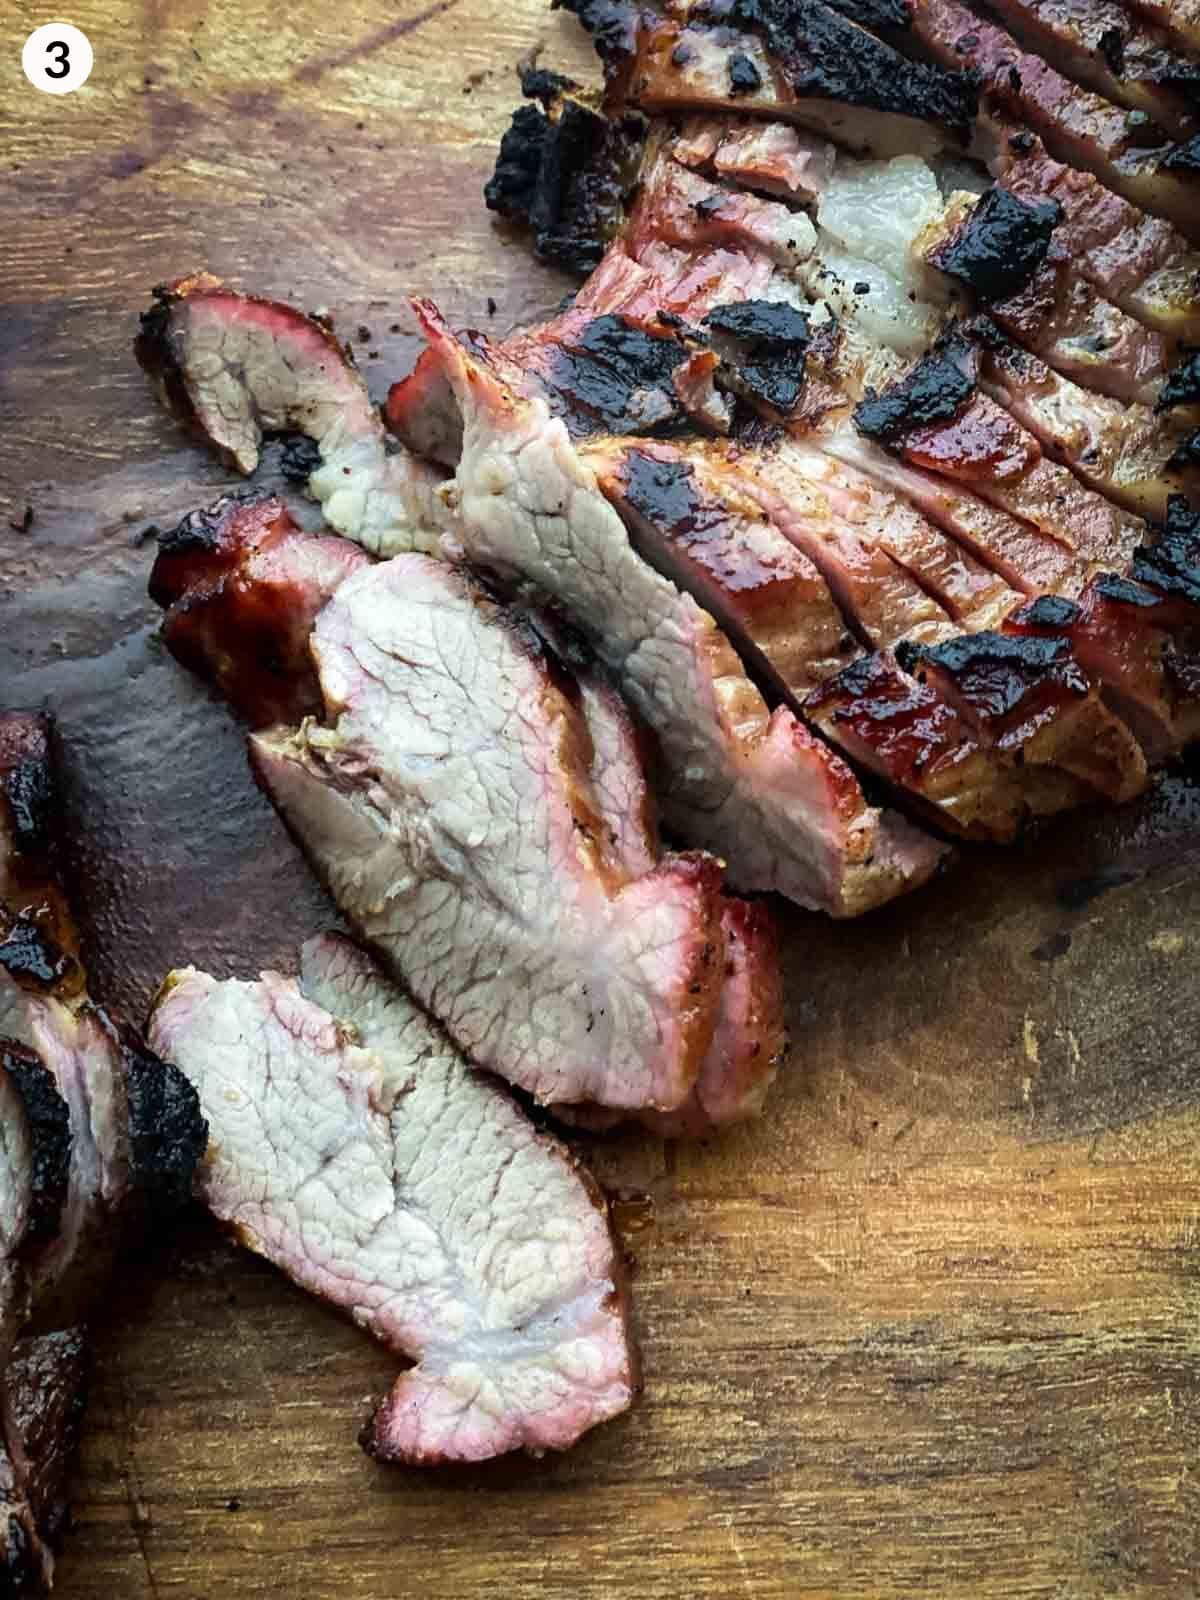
x,y
156,350
16,1559
1171,564
775,339
1184,157
616,376
46,1383
936,390
883,16
612,25
994,671
1001,245
49,1124
566,177
168,1135
28,954
827,57
1182,385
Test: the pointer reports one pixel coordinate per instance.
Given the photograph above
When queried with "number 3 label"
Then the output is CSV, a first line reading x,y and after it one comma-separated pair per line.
x,y
57,58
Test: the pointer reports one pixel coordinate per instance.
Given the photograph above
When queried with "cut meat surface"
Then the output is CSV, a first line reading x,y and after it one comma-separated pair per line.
x,y
1078,127
754,786
353,1149
242,586
447,804
236,367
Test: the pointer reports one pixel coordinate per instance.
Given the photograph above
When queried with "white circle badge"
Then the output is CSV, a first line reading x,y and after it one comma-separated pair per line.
x,y
57,58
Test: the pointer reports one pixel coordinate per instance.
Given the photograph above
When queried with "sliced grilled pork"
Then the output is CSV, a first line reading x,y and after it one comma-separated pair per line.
x,y
797,59
611,797
1000,252
757,787
1122,451
236,367
44,1395
354,1149
1138,262
773,157
1080,128
446,802
92,1130
1119,56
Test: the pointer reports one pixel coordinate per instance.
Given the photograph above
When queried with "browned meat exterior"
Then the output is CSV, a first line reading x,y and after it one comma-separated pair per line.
x,y
612,802
1077,126
1002,253
1124,452
242,586
938,418
45,1392
236,367
1140,263
1106,49
801,59
691,509
94,1134
354,1149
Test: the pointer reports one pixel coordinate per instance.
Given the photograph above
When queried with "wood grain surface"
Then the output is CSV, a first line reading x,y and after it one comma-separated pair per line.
x,y
932,1327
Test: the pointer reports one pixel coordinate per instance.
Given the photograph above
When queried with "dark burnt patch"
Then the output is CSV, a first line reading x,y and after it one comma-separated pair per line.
x,y
1112,47
29,790
49,1123
1184,157
828,57
996,672
539,83
566,173
772,341
663,493
1187,455
1121,591
936,390
167,1131
156,349
46,1384
1171,563
881,16
300,458
30,956
1047,611
617,377
17,1563
744,76
1001,245
1181,387
612,25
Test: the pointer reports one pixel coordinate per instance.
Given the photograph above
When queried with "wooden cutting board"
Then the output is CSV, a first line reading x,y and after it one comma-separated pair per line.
x,y
932,1327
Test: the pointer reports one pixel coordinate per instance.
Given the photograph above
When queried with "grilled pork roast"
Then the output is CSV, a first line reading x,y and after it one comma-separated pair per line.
x,y
354,1149
480,812
97,1136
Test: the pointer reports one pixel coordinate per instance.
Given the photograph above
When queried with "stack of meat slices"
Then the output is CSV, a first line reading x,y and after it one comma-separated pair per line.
x,y
869,478
97,1136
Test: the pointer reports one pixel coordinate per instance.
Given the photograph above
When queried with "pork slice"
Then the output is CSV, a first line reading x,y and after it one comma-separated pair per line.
x,y
757,787
352,1148
1139,262
45,1387
447,804
1004,253
236,367
1078,127
796,60
1122,451
1114,54
241,585
936,417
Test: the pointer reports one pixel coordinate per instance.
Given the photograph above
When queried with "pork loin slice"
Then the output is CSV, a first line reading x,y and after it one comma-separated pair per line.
x,y
236,367
798,61
1078,127
242,586
1119,56
773,800
448,806
1139,262
45,1392
353,1148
